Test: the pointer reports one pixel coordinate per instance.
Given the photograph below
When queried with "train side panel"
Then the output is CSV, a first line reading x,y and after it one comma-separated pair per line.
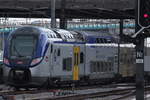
x,y
127,61
101,61
61,61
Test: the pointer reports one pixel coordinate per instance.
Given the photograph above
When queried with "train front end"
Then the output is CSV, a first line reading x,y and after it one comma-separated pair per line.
x,y
23,51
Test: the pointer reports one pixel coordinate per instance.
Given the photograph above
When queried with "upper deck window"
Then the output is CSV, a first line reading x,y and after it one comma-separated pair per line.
x,y
103,40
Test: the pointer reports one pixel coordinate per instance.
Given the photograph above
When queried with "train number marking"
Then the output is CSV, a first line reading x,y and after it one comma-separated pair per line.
x,y
139,61
139,54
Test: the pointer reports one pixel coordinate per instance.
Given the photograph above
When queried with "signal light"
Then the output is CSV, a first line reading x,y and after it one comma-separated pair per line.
x,y
146,15
36,61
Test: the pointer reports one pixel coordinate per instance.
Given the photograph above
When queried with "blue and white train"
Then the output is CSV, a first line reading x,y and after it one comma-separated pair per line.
x,y
39,56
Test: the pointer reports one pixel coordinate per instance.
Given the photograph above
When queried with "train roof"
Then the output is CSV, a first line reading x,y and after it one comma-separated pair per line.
x,y
65,35
95,33
70,36
97,37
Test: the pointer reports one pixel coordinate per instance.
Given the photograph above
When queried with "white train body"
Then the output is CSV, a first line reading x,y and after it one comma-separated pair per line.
x,y
69,56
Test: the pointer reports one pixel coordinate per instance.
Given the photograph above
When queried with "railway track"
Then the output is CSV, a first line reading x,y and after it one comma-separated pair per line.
x,y
120,91
77,93
95,95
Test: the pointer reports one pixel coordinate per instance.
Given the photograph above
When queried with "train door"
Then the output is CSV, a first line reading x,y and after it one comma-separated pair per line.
x,y
76,50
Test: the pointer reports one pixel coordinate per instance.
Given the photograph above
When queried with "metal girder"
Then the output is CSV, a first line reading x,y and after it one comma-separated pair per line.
x,y
74,8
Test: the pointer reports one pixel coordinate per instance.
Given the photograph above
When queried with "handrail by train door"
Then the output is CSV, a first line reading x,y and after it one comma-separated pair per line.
x,y
76,51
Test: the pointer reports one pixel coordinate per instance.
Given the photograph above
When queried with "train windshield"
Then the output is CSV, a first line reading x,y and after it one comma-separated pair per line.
x,y
23,46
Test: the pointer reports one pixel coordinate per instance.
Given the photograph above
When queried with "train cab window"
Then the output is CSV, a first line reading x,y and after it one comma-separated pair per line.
x,y
67,64
81,57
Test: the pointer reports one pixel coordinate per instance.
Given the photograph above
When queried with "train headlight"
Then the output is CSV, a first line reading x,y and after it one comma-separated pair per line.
x,y
36,61
6,61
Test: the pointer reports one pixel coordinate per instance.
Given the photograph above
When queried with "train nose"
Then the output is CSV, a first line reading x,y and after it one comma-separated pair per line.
x,y
20,62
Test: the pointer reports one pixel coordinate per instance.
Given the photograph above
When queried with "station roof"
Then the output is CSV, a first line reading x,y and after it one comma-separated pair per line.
x,y
98,9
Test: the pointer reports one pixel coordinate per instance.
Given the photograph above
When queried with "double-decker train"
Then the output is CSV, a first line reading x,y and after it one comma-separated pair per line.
x,y
40,56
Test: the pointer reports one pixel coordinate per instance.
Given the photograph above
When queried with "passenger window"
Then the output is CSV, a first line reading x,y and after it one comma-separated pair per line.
x,y
101,40
97,41
102,66
108,65
110,68
105,66
81,57
108,40
67,64
98,66
94,67
91,67
58,52
116,58
51,48
104,40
